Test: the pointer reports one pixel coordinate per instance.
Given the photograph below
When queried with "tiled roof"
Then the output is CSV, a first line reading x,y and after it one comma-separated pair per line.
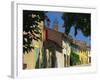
x,y
57,37
54,36
80,44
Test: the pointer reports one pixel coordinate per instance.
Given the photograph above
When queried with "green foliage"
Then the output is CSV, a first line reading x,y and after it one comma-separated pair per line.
x,y
74,58
80,21
31,21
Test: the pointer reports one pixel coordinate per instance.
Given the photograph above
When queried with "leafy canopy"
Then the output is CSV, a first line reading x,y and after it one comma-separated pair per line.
x,y
31,20
80,21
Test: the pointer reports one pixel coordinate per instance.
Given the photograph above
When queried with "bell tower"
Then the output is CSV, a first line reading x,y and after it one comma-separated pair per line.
x,y
55,25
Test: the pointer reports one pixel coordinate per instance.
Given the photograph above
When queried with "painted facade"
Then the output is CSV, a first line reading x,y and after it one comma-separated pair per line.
x,y
83,56
66,51
83,51
58,44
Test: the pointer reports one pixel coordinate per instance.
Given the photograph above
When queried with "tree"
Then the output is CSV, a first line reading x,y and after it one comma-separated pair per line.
x,y
74,58
80,21
31,20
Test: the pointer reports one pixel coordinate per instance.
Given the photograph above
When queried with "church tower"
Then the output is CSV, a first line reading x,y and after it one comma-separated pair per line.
x,y
55,25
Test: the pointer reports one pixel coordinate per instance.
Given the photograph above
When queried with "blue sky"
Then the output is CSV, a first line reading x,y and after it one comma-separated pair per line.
x,y
57,15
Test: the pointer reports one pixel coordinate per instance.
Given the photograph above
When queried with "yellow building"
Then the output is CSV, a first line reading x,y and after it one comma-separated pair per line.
x,y
83,56
83,52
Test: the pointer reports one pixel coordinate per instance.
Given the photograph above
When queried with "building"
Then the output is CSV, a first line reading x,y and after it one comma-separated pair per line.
x,y
56,47
55,50
83,51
